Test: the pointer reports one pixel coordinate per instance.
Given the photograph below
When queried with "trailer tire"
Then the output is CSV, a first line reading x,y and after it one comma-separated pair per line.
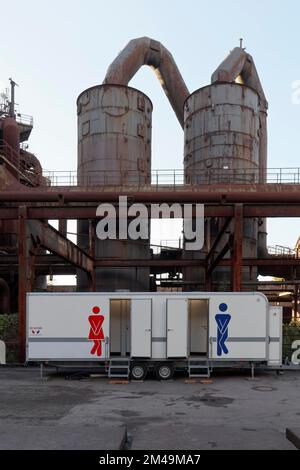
x,y
138,371
164,371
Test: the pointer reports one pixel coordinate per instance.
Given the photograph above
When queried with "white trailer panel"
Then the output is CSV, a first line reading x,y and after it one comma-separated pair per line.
x,y
238,327
59,328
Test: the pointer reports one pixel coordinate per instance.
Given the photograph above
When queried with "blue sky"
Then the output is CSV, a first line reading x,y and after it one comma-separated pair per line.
x,y
56,49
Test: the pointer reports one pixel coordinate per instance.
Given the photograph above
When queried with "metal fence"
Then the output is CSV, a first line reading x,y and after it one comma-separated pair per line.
x,y
279,250
290,341
173,177
24,119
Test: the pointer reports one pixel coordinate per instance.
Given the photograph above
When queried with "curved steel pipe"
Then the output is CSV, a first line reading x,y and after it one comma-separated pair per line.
x,y
146,51
240,63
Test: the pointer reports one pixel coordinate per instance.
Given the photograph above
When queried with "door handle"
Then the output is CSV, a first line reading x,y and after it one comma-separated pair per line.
x,y
170,329
148,329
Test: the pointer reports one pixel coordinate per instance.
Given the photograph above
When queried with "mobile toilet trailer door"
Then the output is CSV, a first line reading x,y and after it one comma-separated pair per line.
x,y
67,327
238,327
275,336
141,327
177,328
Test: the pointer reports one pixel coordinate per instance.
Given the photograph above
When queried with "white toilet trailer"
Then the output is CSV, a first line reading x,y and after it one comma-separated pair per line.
x,y
135,332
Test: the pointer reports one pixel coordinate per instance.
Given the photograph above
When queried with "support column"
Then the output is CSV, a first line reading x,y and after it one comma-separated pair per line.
x,y
62,226
24,282
91,239
92,276
237,255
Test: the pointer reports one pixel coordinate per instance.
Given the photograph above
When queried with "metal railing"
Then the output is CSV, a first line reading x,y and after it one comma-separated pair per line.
x,y
166,245
174,177
26,172
10,154
24,119
279,250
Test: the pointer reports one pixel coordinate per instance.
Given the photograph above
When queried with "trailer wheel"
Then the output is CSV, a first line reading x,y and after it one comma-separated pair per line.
x,y
164,371
138,371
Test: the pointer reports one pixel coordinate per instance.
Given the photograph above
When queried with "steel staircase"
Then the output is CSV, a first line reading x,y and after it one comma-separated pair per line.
x,y
119,368
198,367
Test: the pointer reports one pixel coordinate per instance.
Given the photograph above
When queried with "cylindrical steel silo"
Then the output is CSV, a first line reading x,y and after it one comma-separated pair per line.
x,y
114,148
222,146
221,135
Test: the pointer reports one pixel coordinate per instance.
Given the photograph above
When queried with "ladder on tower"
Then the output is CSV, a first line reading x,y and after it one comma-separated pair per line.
x,y
198,367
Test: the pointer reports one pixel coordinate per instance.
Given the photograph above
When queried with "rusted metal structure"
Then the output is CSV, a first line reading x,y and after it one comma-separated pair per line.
x,y
114,136
240,65
222,135
114,148
225,141
258,201
146,51
224,168
19,169
221,141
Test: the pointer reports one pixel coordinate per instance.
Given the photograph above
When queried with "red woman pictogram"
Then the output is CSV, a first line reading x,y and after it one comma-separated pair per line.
x,y
96,332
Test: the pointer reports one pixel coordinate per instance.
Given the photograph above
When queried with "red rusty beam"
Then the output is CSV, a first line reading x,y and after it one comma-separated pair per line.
x,y
230,193
79,212
115,263
42,270
62,226
50,239
126,263
70,212
272,210
42,261
218,238
216,262
110,263
272,262
23,280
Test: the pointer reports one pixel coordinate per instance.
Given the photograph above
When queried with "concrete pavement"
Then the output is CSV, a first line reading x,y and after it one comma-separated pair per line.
x,y
231,413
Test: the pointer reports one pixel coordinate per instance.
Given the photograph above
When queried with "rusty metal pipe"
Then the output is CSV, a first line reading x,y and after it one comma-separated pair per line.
x,y
259,194
240,63
146,51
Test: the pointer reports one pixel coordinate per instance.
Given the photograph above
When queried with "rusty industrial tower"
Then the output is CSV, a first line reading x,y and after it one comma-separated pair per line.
x,y
224,167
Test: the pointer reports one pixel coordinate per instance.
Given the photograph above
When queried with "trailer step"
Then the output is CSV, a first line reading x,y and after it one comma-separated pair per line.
x,y
119,368
199,368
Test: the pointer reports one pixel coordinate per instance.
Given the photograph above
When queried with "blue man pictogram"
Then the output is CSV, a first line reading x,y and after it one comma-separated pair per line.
x,y
222,320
